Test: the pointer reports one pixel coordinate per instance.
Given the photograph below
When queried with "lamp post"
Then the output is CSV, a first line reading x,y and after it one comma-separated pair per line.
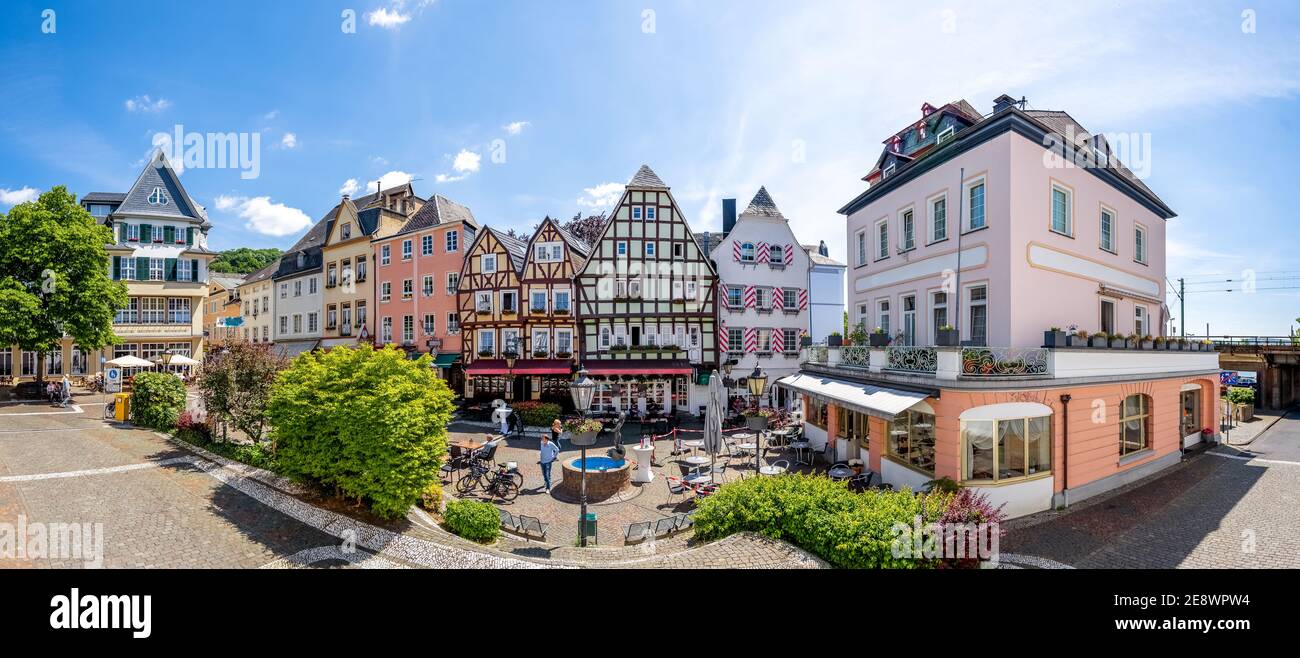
x,y
757,383
165,359
582,388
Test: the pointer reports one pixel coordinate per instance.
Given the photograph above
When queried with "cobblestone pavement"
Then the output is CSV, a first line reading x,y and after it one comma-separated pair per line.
x,y
165,506
1222,509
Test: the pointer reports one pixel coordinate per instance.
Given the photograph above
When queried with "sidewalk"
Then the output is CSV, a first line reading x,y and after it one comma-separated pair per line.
x,y
1244,433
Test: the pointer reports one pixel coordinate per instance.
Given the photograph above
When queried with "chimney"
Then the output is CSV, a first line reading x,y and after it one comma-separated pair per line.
x,y
1003,102
347,196
821,249
728,215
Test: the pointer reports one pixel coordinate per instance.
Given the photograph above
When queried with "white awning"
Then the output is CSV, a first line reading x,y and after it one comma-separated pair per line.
x,y
865,398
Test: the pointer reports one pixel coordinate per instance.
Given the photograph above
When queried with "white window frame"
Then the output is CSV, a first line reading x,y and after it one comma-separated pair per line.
x,y
1141,320
385,291
650,248
862,247
971,303
532,301
651,213
620,248
905,217
882,316
567,297
483,301
1140,244
748,252
426,245
636,213
887,171
453,283
967,210
933,217
385,254
881,238
945,134
484,260
1101,235
1061,188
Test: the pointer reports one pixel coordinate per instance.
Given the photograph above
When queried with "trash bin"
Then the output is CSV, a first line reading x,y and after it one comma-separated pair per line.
x,y
122,406
589,527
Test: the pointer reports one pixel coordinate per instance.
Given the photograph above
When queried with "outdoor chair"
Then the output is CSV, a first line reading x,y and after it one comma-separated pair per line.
x,y
861,482
676,487
782,464
508,521
530,526
637,531
665,526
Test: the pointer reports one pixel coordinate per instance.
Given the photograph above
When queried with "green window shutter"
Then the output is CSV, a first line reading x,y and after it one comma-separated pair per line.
x,y
169,269
194,269
142,268
117,268
169,234
146,233
189,235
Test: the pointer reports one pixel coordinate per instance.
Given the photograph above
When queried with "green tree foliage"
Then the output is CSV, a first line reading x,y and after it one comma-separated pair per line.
x,y
54,276
157,400
370,423
235,384
474,520
243,260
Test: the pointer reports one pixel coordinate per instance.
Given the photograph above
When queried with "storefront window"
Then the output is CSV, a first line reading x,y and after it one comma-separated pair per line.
x,y
911,440
816,413
852,426
1134,417
1020,447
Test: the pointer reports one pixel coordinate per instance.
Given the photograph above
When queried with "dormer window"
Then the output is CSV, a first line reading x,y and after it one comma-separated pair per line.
x,y
945,134
345,231
887,172
157,197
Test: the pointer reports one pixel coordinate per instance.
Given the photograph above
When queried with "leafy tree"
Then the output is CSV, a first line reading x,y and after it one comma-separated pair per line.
x,y
235,384
587,228
243,260
54,277
370,423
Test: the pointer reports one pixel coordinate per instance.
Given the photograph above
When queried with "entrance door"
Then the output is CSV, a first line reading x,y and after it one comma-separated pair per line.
x,y
909,320
1107,317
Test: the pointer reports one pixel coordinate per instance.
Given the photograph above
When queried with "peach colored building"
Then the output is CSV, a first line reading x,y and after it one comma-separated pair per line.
x,y
976,235
417,275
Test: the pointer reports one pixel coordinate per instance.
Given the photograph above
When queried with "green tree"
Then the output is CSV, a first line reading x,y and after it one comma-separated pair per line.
x,y
235,384
370,423
243,260
54,278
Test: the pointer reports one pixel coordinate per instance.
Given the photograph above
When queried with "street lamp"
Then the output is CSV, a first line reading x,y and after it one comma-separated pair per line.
x,y
582,388
757,383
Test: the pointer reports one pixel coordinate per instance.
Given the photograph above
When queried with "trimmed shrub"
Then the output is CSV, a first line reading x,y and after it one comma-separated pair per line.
x,y
847,529
431,498
370,423
1241,394
157,400
474,520
537,414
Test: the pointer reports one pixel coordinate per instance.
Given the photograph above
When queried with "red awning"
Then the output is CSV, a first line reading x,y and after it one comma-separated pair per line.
x,y
639,367
522,367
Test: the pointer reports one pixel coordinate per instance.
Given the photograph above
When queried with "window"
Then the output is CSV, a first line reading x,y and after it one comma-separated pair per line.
x,y
426,245
427,285
408,288
453,241
692,290
763,297
313,323
406,250
882,239
297,288
1107,223
979,315
157,197
747,252
790,340
538,304
79,360
562,301
735,340
385,254
650,213
541,342
1140,244
975,193
945,134
996,450
909,231
1107,317
345,320
408,328
509,301
862,247
361,268
133,232
1140,320
129,314
185,270
790,299
331,317
677,250
909,320
1134,417
510,340
939,219
483,302
621,248
604,338
636,213
386,330
284,289
889,171
157,234
156,269
911,440
776,254
735,297
385,291
563,343
284,324
489,263
153,310
453,282
1189,402
882,315
939,311
453,323
1061,210
650,249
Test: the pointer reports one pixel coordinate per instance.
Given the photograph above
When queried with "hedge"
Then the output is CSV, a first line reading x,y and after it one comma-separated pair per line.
x,y
537,414
157,400
473,519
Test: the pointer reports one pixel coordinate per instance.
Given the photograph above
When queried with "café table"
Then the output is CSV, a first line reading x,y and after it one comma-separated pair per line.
x,y
771,470
800,448
697,462
840,473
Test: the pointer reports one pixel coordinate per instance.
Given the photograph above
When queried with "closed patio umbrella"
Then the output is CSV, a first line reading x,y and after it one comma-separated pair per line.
x,y
713,419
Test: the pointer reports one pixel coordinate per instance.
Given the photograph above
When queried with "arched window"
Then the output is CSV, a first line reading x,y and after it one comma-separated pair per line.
x,y
158,197
1006,441
747,252
1134,424
776,254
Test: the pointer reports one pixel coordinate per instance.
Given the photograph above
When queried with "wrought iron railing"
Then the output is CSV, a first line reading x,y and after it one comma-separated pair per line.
x,y
817,354
1004,361
855,355
911,358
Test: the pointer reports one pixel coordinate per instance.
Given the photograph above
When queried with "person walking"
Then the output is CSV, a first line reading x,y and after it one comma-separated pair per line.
x,y
557,429
550,451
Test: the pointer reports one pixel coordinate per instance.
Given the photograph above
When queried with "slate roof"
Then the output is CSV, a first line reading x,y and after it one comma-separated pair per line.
x,y
1063,124
227,282
574,242
318,233
158,173
763,205
103,197
646,177
709,240
438,210
517,248
262,274
815,255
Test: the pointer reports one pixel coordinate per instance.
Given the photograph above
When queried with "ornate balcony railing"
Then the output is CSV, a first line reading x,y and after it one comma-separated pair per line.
x,y
912,358
817,354
1004,361
855,355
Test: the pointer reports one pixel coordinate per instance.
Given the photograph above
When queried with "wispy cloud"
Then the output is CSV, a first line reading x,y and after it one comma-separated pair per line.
x,y
465,163
349,187
14,197
146,104
604,195
387,18
271,115
515,127
289,141
261,215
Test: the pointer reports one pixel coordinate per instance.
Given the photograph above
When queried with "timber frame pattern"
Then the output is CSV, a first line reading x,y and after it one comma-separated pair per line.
x,y
473,280
550,276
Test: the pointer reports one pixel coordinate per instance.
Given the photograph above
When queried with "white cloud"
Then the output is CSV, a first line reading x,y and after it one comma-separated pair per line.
x,y
289,141
272,114
350,186
515,127
390,179
603,195
263,216
386,18
146,104
466,162
14,197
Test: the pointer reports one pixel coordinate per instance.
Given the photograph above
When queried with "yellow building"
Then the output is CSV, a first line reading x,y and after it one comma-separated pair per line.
x,y
221,305
257,304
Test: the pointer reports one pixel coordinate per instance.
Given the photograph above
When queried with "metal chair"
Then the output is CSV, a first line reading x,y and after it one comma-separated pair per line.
x,y
676,487
530,526
861,482
684,522
508,521
783,464
665,526
637,531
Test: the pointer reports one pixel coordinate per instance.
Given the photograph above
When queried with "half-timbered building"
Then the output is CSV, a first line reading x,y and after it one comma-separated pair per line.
x,y
491,316
550,336
647,306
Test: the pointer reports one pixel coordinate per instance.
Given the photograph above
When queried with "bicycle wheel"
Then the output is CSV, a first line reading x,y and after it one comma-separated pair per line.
x,y
466,482
507,488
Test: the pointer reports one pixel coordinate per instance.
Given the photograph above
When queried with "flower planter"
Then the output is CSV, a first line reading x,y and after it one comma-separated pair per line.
x,y
946,337
583,438
879,340
805,341
1148,345
756,422
1099,341
834,341
1052,339
1119,343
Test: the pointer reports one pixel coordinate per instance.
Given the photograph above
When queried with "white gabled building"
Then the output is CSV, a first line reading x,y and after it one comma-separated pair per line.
x,y
763,284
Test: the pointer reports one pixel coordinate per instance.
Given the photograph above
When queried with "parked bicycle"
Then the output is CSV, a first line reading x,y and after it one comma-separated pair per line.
x,y
499,481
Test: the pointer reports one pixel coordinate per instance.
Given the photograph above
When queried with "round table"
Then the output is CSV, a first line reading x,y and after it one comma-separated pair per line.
x,y
771,470
698,461
693,444
699,478
799,447
643,458
742,436
840,473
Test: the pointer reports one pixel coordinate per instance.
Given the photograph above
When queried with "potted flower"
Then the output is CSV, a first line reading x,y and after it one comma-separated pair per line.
x,y
1099,339
563,355
1160,343
583,431
1118,342
1133,341
878,337
1207,435
805,340
1148,343
1179,344
1207,345
1077,339
758,419
946,336
1192,346
485,353
1053,337
835,339
539,354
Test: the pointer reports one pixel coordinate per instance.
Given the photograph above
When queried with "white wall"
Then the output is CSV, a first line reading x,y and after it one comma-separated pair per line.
x,y
902,476
1022,498
825,302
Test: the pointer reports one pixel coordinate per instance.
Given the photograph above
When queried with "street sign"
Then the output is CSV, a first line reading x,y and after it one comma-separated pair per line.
x,y
112,380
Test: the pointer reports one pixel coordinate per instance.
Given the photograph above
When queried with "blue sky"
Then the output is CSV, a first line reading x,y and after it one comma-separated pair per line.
x,y
718,97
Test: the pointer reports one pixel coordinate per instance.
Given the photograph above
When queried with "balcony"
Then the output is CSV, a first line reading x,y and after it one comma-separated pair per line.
x,y
921,363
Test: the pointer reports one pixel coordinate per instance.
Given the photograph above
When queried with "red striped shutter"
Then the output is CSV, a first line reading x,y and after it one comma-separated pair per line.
x,y
764,252
735,251
778,340
751,339
778,299
789,254
803,300
751,297
722,336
